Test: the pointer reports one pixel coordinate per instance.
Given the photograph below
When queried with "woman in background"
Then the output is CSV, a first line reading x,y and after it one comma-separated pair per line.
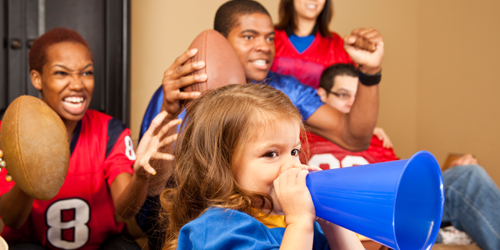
x,y
304,44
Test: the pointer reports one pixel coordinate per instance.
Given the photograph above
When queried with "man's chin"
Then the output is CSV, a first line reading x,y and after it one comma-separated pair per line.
x,y
258,77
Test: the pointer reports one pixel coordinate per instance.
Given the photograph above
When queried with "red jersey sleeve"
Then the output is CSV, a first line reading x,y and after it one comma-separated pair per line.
x,y
5,186
120,154
382,154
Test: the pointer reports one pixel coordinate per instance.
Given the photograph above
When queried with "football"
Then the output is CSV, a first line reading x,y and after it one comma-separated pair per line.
x,y
35,145
222,64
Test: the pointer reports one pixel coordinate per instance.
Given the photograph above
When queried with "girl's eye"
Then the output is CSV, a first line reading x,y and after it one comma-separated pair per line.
x,y
270,39
271,154
248,37
295,152
88,73
62,73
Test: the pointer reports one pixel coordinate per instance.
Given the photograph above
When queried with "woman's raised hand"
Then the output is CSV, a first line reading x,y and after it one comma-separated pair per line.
x,y
154,139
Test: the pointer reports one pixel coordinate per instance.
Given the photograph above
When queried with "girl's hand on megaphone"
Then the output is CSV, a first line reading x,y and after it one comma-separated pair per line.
x,y
311,168
294,197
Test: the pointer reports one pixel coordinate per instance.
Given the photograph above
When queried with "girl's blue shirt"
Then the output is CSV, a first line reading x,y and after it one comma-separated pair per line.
x,y
219,228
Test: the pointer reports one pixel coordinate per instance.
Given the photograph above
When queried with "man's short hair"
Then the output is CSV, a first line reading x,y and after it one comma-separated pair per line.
x,y
327,80
227,15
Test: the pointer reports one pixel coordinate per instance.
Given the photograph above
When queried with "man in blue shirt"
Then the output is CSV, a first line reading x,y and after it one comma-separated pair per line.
x,y
249,29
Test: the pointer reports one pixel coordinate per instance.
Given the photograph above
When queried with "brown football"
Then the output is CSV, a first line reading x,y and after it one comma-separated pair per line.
x,y
35,145
222,64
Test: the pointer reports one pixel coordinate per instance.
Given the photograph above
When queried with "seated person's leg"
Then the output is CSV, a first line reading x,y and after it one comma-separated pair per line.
x,y
472,202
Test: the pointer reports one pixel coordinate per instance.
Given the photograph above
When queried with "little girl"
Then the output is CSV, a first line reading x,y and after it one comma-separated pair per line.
x,y
239,182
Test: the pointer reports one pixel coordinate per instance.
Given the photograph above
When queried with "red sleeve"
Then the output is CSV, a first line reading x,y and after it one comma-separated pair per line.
x,y
121,158
383,154
5,186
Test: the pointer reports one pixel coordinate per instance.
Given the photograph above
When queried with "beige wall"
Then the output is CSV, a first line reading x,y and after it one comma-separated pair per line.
x,y
439,86
397,21
458,82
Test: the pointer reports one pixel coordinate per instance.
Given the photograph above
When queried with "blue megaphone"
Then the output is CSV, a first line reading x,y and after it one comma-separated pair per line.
x,y
398,204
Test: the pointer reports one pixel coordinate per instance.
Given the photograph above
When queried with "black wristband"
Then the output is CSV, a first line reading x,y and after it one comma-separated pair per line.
x,y
369,80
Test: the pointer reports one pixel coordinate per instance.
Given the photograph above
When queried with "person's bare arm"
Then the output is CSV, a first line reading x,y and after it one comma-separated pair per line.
x,y
15,207
175,78
129,191
353,131
340,238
